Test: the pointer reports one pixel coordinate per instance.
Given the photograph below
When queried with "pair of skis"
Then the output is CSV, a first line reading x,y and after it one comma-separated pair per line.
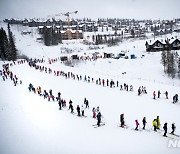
x,y
96,126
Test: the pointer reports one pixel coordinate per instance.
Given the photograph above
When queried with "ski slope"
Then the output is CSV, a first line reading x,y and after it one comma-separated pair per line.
x,y
30,124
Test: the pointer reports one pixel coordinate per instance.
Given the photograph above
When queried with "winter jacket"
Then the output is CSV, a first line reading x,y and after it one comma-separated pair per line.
x,y
165,127
154,123
137,123
158,123
99,116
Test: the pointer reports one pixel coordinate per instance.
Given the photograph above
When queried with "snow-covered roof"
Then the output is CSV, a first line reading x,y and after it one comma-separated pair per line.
x,y
172,40
40,26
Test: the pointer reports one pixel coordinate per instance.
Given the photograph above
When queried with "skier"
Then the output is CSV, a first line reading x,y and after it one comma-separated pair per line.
x,y
103,82
107,82
166,93
121,87
137,124
117,83
111,83
71,107
98,119
94,112
176,98
30,87
87,104
144,122
122,120
154,95
45,94
154,124
165,129
84,100
58,98
127,87
145,90
78,110
173,128
159,93
64,103
82,110
158,122
50,95
70,104
131,88
139,91
60,104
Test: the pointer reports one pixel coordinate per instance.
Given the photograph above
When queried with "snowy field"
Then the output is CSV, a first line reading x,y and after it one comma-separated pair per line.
x,y
32,124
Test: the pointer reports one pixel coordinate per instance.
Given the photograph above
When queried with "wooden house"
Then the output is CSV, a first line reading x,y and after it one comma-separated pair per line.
x,y
71,34
154,46
161,45
175,44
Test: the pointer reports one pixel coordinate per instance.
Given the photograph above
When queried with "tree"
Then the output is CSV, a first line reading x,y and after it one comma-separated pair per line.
x,y
47,36
93,38
59,36
170,67
3,44
164,59
132,33
179,67
54,39
12,51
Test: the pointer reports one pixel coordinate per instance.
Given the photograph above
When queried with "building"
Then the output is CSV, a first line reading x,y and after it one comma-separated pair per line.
x,y
162,45
71,34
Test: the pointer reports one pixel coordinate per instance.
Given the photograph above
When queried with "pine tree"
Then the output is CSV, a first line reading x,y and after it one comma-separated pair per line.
x,y
164,59
172,66
59,37
3,38
54,37
11,52
179,67
168,67
47,36
132,33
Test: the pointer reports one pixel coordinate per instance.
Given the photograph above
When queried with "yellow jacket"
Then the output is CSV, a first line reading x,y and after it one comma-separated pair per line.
x,y
154,123
158,123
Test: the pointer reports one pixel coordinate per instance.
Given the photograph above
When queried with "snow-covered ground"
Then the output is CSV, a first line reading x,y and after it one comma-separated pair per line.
x,y
30,124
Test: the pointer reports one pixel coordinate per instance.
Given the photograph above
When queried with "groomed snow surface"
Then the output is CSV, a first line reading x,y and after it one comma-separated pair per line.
x,y
32,124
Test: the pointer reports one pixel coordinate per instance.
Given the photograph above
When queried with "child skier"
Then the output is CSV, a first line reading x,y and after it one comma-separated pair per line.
x,y
139,91
144,122
82,110
165,129
94,112
173,128
137,124
122,120
166,93
159,93
154,95
78,110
